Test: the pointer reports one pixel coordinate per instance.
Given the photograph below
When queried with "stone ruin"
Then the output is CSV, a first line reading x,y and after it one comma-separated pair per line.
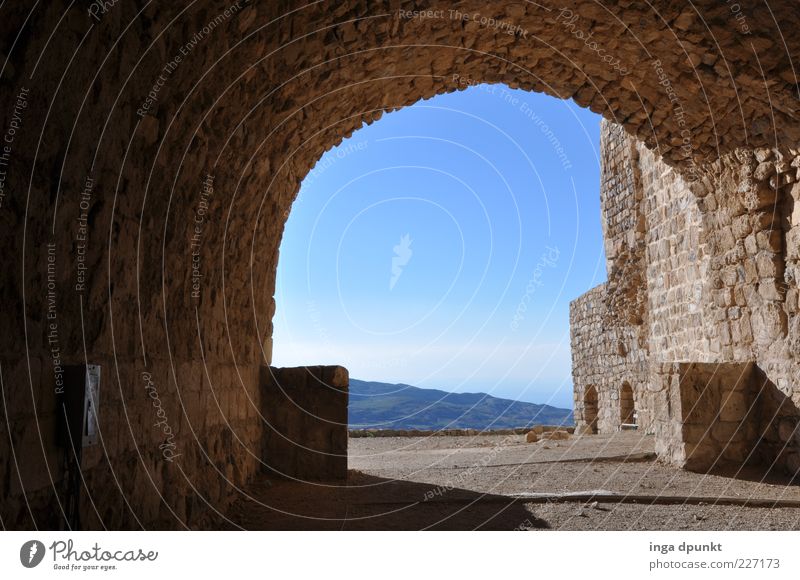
x,y
694,337
151,154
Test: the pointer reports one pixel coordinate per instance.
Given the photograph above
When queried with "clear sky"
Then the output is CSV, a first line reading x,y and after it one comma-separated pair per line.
x,y
441,246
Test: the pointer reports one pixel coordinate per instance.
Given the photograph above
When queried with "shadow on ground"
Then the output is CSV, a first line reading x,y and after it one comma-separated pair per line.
x,y
757,473
366,502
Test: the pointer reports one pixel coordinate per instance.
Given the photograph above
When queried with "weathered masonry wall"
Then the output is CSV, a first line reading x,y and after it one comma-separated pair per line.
x,y
207,423
607,323
608,357
624,226
292,424
675,254
715,311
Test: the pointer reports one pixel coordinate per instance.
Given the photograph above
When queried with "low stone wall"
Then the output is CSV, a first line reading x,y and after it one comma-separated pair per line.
x,y
712,419
305,430
778,423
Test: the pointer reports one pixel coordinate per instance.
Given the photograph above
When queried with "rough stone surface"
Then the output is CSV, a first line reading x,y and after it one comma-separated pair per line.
x,y
700,273
557,435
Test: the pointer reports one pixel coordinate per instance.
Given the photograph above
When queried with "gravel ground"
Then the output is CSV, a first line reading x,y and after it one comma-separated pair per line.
x,y
497,482
663,517
622,463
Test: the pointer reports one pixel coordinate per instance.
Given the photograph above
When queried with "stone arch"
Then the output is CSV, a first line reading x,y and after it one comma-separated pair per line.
x,y
256,97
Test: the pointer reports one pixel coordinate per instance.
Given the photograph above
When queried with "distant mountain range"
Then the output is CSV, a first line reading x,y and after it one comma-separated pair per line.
x,y
386,406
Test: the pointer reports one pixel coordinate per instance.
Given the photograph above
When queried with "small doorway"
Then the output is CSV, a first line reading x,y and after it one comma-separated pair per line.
x,y
590,408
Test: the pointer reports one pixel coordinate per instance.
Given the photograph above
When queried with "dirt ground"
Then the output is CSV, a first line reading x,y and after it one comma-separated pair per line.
x,y
598,482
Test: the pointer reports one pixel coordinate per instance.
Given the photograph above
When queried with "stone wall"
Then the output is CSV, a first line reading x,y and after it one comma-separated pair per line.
x,y
607,324
676,264
604,358
206,424
725,416
624,225
719,289
157,150
716,412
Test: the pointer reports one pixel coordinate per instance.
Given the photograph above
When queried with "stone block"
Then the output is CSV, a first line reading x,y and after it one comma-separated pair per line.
x,y
734,406
306,435
557,435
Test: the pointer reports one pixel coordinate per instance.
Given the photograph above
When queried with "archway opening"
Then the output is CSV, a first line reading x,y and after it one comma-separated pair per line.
x,y
590,409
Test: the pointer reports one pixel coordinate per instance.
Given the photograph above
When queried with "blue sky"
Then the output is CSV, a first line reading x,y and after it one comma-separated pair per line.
x,y
441,246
